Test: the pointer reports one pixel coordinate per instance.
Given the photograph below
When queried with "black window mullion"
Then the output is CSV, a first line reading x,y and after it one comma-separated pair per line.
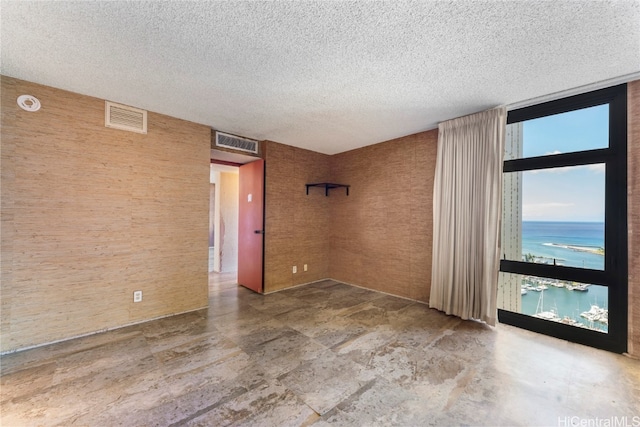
x,y
616,219
578,158
560,272
572,103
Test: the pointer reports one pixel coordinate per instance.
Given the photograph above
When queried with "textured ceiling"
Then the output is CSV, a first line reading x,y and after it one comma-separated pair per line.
x,y
327,76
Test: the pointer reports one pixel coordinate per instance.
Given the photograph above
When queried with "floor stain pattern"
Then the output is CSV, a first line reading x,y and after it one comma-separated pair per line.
x,y
324,354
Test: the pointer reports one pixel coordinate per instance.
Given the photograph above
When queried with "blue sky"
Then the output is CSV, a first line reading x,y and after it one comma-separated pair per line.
x,y
565,194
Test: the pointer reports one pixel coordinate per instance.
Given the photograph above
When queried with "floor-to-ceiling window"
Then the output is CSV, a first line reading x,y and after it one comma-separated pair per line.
x,y
564,230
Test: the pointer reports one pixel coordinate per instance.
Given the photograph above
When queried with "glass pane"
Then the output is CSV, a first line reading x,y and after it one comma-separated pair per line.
x,y
555,216
579,130
581,305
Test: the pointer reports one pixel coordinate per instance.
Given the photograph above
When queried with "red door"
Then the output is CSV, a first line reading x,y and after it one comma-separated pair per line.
x,y
251,225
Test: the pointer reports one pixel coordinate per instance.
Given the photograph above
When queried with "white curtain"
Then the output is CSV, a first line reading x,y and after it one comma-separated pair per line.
x,y
467,205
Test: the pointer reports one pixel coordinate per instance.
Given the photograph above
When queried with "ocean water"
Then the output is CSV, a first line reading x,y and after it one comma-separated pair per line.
x,y
548,240
558,240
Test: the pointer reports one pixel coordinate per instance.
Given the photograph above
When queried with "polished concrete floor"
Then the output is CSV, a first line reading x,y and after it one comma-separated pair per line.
x,y
321,354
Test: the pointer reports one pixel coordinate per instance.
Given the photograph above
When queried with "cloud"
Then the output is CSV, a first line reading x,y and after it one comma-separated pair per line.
x,y
553,170
598,168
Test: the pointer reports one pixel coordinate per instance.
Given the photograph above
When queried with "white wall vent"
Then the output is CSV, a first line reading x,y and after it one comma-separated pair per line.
x,y
123,117
236,143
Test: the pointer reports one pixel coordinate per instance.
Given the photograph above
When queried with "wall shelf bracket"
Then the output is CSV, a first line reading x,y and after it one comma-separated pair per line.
x,y
327,186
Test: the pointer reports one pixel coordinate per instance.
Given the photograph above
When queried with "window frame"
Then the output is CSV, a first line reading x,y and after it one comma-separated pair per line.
x,y
614,276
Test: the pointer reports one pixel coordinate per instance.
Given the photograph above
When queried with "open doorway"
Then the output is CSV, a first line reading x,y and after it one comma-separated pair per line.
x,y
223,218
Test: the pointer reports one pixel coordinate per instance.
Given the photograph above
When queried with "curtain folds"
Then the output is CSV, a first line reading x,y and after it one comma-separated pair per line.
x,y
467,206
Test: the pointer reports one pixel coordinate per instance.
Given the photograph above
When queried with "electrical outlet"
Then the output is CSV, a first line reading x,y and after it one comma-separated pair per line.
x,y
295,269
305,267
137,296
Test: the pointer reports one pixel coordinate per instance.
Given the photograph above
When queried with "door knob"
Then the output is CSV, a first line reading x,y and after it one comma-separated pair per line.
x,y
259,231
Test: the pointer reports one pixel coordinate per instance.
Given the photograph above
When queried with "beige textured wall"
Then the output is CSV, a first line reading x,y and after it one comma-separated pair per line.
x,y
633,206
90,214
229,191
381,235
296,225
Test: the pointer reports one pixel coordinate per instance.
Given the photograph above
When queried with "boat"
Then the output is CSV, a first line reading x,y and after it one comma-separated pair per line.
x,y
546,315
596,314
523,291
572,322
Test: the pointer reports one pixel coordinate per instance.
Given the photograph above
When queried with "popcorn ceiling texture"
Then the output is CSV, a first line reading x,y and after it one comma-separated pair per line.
x,y
324,76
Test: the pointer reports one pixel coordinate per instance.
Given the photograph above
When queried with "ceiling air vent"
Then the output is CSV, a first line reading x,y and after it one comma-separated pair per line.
x,y
236,143
123,117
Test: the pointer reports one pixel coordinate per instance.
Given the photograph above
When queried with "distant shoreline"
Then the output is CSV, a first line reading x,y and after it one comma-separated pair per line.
x,y
589,249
